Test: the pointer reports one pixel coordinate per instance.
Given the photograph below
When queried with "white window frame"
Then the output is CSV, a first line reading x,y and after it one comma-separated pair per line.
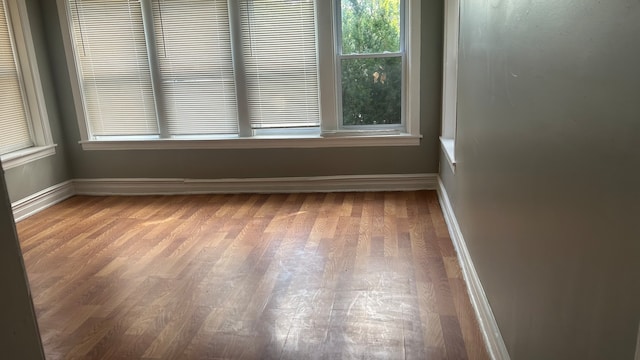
x,y
33,96
331,133
402,52
450,81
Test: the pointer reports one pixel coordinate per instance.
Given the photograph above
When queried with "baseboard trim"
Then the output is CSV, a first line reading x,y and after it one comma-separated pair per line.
x,y
394,182
41,200
488,326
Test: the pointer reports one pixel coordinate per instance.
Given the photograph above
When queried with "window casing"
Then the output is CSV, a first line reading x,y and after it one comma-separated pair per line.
x,y
25,133
450,81
274,79
370,64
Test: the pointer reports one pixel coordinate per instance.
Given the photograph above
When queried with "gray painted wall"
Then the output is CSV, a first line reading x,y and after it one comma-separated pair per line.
x,y
213,164
19,337
25,180
546,186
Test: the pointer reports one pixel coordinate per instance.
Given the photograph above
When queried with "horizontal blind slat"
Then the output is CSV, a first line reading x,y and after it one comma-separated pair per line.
x,y
110,46
14,128
194,52
279,48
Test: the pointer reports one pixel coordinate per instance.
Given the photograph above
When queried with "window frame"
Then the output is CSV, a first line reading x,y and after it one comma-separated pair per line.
x,y
32,93
450,81
410,47
340,55
330,133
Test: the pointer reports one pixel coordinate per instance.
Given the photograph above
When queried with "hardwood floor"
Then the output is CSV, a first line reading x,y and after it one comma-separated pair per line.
x,y
299,276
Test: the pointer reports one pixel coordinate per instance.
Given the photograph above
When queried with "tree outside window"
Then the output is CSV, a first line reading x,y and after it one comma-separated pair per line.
x,y
371,62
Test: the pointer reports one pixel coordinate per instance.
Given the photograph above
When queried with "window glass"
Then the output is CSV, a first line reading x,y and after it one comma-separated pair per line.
x,y
371,66
372,91
370,26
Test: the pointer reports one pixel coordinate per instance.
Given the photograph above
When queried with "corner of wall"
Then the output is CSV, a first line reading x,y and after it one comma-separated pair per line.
x,y
488,325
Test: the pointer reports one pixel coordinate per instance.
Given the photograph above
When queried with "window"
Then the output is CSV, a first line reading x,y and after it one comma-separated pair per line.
x,y
370,59
264,72
25,135
450,80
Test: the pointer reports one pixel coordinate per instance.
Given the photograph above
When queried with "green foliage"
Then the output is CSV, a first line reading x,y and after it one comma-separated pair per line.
x,y
371,87
371,91
370,26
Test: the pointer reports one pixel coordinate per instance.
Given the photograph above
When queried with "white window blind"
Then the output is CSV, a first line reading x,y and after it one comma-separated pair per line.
x,y
14,128
167,67
194,54
110,47
279,49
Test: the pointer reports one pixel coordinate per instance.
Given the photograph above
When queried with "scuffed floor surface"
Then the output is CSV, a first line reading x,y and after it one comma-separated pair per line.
x,y
286,276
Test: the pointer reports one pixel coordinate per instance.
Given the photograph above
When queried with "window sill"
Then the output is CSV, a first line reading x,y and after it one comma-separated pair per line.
x,y
25,156
256,142
448,146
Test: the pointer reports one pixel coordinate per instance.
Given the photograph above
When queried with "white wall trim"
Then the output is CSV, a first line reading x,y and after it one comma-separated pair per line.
x,y
256,185
448,147
488,326
450,68
41,200
25,156
258,142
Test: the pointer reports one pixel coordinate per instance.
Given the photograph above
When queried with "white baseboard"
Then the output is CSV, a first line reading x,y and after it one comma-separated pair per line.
x,y
488,326
41,200
395,182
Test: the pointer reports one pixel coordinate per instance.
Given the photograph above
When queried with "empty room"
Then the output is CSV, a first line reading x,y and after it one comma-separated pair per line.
x,y
319,179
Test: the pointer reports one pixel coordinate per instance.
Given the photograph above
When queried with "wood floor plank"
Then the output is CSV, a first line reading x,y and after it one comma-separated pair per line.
x,y
281,276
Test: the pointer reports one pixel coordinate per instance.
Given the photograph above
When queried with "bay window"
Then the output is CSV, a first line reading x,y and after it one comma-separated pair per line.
x,y
244,73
